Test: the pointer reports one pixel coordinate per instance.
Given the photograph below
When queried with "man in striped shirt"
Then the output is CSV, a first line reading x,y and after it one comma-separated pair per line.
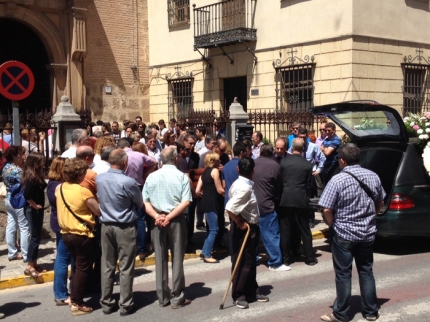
x,y
351,212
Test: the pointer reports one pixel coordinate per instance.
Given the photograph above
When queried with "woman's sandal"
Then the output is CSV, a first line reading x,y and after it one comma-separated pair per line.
x,y
39,269
32,272
17,257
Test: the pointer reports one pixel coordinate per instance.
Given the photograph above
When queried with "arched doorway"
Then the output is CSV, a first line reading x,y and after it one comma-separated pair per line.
x,y
19,42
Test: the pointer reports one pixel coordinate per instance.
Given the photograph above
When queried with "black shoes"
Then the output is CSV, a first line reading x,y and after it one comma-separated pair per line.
x,y
312,263
258,298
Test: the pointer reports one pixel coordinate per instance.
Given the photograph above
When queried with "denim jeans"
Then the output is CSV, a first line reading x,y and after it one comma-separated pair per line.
x,y
17,218
269,230
212,221
61,264
141,231
36,216
343,252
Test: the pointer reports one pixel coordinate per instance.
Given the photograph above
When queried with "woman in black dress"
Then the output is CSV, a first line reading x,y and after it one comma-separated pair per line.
x,y
210,183
34,183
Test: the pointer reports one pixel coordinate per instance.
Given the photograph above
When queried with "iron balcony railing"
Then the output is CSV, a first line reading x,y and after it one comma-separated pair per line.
x,y
224,23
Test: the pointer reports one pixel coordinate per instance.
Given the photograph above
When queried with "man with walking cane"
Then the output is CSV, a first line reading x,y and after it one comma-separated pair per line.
x,y
242,208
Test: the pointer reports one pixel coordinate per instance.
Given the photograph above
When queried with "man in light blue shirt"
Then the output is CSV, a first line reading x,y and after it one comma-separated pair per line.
x,y
166,195
119,197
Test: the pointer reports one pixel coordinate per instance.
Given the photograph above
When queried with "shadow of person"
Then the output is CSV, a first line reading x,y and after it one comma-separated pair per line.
x,y
265,289
142,299
196,290
13,308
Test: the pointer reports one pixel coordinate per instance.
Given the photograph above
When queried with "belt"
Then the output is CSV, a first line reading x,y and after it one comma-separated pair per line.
x,y
120,224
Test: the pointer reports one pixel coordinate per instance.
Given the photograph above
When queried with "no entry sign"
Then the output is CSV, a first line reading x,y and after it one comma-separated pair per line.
x,y
16,80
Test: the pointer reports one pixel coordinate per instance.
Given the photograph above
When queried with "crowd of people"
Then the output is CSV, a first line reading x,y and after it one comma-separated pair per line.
x,y
122,194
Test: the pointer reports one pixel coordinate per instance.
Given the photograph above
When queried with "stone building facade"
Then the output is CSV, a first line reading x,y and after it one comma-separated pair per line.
x,y
93,51
288,54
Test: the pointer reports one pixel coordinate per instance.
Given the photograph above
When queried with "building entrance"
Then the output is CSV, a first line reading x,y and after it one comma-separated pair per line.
x,y
235,87
19,42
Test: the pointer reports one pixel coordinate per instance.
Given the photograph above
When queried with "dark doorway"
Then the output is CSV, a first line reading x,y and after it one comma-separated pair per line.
x,y
235,87
19,42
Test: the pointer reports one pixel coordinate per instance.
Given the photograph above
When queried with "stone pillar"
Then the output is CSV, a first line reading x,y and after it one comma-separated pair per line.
x,y
238,117
65,120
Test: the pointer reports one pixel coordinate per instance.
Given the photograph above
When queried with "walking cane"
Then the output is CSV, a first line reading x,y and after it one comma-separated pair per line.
x,y
235,267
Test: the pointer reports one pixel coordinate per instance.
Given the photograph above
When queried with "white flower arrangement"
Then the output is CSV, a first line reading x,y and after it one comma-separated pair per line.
x,y
419,131
426,158
419,125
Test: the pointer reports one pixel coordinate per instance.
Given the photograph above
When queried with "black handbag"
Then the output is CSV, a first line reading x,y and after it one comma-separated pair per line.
x,y
92,230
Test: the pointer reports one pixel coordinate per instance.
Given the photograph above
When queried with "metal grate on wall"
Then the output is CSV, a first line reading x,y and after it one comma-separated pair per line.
x,y
416,84
180,97
297,87
178,12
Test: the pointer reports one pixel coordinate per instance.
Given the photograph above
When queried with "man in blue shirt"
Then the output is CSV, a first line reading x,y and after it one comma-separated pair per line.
x,y
119,197
229,171
329,148
351,211
294,133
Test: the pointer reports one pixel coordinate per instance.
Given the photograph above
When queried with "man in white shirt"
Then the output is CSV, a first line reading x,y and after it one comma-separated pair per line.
x,y
242,208
103,165
201,135
257,138
79,137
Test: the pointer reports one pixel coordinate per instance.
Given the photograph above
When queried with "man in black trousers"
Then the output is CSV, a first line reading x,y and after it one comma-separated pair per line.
x,y
296,181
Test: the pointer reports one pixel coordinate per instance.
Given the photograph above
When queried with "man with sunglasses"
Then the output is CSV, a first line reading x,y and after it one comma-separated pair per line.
x,y
294,133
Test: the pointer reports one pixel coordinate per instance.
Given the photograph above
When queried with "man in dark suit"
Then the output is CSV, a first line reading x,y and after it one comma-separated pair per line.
x,y
296,181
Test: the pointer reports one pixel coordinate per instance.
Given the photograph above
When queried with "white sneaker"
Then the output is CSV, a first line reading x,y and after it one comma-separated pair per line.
x,y
279,268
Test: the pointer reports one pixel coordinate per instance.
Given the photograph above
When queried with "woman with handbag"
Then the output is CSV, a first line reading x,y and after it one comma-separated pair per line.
x,y
12,174
76,208
34,183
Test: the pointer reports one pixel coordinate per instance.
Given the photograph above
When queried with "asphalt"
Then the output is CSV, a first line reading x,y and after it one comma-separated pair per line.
x,y
12,273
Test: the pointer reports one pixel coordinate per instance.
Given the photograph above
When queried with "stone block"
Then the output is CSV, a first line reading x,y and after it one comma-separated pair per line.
x,y
367,57
332,72
376,45
360,43
367,85
346,71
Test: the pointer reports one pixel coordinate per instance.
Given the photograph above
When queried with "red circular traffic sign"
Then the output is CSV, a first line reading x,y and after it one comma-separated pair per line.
x,y
16,80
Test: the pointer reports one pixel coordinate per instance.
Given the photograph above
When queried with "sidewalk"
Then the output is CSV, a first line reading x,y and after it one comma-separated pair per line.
x,y
12,273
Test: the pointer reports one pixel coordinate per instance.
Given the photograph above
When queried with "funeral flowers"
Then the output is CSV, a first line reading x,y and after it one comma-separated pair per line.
x,y
418,125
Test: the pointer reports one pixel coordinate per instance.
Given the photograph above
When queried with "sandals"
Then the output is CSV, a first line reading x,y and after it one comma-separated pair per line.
x,y
32,272
39,269
17,257
329,317
62,302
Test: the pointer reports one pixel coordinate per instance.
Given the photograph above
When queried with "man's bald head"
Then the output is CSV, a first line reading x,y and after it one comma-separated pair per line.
x,y
86,153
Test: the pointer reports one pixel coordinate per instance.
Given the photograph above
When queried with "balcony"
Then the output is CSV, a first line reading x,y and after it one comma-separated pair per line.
x,y
225,23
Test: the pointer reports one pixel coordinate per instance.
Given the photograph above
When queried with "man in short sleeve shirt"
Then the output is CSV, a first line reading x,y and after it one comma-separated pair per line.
x,y
351,212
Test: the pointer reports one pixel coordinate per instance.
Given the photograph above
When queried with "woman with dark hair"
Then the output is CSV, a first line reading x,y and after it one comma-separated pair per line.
x,y
12,174
139,147
34,183
64,257
76,208
106,128
168,139
89,128
209,187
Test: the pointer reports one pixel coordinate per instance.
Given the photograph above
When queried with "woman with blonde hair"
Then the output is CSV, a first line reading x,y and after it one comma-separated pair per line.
x,y
33,180
100,144
139,147
63,258
210,188
76,207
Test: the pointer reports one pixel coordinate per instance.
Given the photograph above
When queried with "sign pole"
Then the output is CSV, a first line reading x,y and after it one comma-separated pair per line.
x,y
15,120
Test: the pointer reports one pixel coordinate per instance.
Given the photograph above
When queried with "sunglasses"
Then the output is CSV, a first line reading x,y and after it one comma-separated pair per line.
x,y
295,128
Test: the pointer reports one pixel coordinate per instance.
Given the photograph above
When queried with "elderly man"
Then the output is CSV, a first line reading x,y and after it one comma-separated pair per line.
x,y
257,138
79,137
280,149
296,180
103,165
350,208
242,208
167,207
119,197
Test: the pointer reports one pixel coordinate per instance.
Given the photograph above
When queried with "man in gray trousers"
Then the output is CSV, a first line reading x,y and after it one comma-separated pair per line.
x,y
119,197
166,195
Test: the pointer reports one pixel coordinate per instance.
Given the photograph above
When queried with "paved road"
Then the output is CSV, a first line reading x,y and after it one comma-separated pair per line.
x,y
302,294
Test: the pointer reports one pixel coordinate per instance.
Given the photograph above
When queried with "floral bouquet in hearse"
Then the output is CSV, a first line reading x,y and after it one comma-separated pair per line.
x,y
418,125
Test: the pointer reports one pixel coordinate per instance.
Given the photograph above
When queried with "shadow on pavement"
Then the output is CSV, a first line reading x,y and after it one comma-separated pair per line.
x,y
196,290
15,307
356,305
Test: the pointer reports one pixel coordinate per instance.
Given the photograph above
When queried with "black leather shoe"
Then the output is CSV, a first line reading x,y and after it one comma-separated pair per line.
x,y
312,263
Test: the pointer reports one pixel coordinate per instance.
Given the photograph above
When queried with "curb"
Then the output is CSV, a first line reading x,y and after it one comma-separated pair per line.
x,y
22,280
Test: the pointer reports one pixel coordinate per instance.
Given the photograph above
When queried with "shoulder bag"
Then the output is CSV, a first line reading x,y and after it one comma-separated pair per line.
x,y
364,186
92,230
17,200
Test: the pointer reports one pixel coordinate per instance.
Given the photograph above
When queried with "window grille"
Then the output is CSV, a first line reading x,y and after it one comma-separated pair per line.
x,y
416,84
178,12
180,97
298,87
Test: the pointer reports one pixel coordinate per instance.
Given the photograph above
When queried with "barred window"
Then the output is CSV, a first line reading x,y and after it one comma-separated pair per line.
x,y
178,12
298,87
180,97
416,84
